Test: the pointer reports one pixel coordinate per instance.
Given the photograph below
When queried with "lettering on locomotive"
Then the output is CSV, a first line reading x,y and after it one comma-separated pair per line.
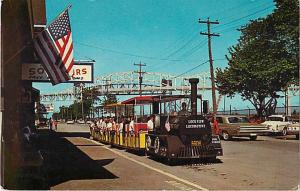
x,y
195,123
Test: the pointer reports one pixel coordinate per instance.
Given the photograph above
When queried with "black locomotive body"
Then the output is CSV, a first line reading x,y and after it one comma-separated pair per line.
x,y
183,136
188,137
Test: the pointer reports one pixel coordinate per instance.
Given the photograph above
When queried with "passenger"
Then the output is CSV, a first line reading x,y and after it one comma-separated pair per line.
x,y
150,124
121,125
183,110
114,124
55,125
93,125
103,125
99,121
50,123
131,126
109,124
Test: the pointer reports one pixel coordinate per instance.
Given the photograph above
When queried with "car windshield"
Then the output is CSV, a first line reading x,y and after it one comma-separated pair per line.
x,y
234,120
275,119
244,120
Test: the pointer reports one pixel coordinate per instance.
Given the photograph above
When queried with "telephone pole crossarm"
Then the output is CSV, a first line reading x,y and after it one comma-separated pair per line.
x,y
213,34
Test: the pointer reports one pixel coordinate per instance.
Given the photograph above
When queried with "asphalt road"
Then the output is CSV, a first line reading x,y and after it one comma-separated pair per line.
x,y
73,161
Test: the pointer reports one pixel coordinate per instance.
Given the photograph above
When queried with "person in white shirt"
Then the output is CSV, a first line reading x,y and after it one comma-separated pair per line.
x,y
103,125
150,124
109,125
131,125
121,125
99,121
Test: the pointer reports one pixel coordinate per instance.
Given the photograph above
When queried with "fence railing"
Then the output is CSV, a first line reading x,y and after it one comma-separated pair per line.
x,y
295,110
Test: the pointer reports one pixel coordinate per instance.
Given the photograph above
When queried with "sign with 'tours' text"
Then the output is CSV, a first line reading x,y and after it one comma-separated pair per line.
x,y
81,72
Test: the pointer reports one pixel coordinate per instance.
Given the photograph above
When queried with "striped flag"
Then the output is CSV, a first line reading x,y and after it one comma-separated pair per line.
x,y
54,47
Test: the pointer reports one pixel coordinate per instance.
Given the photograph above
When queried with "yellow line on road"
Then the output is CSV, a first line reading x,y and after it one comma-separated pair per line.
x,y
154,169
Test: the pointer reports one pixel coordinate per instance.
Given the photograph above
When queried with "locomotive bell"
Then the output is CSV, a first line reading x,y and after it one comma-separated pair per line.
x,y
194,82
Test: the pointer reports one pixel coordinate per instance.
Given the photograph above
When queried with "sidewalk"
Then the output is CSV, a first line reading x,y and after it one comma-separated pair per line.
x,y
63,161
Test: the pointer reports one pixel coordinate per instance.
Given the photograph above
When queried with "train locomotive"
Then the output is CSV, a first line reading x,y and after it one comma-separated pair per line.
x,y
175,134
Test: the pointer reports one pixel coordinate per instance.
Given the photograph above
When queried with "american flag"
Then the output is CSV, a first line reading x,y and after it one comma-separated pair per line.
x,y
54,47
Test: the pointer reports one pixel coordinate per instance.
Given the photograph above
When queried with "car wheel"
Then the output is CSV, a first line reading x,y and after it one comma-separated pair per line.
x,y
225,136
284,131
253,138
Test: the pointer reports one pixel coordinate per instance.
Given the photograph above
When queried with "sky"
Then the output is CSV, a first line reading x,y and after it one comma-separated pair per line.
x,y
163,34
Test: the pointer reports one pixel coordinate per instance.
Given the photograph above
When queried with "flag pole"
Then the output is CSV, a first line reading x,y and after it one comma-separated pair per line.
x,y
67,8
17,53
30,42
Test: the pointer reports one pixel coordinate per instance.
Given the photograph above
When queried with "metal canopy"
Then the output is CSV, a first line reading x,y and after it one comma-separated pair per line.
x,y
143,100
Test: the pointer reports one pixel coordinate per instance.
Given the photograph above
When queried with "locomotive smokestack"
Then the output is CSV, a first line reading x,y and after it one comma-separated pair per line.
x,y
194,82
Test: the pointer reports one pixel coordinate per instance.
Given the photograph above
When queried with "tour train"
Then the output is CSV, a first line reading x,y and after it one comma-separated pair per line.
x,y
174,136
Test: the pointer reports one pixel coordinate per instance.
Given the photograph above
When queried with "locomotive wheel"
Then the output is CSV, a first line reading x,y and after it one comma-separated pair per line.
x,y
156,145
225,136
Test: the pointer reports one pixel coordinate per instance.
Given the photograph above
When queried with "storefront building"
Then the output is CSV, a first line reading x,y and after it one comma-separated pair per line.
x,y
20,21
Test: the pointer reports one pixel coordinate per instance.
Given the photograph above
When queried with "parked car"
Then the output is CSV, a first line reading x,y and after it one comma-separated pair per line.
x,y
80,121
293,129
70,122
239,126
278,123
41,122
89,122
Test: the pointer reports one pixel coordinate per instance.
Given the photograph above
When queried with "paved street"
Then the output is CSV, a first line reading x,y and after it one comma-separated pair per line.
x,y
73,161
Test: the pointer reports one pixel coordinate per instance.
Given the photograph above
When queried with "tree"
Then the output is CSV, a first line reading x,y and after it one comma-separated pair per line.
x,y
265,60
109,99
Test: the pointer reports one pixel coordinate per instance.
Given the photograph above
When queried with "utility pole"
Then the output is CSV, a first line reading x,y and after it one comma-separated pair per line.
x,y
212,76
106,80
140,72
81,97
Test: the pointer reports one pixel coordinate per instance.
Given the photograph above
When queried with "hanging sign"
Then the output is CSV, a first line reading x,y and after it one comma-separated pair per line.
x,y
49,108
81,72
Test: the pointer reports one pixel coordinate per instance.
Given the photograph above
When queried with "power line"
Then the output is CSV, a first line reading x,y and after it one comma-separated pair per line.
x,y
228,23
188,42
193,50
234,15
228,29
191,69
242,5
183,46
182,37
239,19
173,46
126,53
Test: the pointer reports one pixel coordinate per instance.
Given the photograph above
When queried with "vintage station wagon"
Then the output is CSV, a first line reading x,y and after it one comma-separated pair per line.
x,y
239,126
